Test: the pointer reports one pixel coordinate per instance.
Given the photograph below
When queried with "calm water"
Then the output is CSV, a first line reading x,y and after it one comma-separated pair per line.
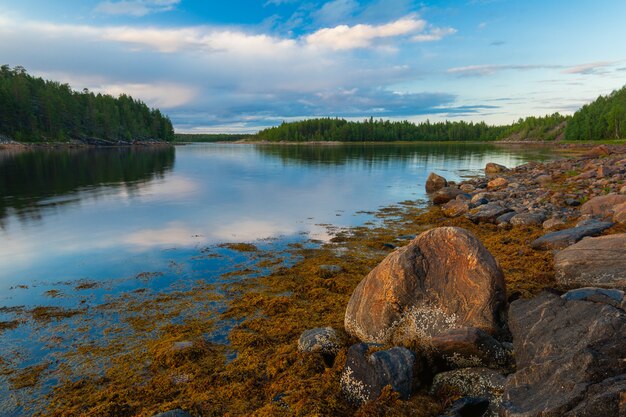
x,y
143,222
99,214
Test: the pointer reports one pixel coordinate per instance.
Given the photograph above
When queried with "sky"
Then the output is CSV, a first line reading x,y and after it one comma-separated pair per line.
x,y
242,65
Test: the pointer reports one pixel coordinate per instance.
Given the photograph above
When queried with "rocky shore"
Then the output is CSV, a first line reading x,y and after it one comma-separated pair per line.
x,y
434,314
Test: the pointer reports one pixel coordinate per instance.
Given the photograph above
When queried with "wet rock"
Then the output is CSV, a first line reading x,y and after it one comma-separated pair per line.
x,y
467,407
528,219
473,382
444,279
469,347
467,188
603,205
173,413
445,194
322,340
487,213
455,208
497,183
569,358
435,182
366,374
493,168
611,297
597,262
567,237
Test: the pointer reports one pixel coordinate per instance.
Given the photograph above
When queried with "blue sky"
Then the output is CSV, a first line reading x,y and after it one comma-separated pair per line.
x,y
237,66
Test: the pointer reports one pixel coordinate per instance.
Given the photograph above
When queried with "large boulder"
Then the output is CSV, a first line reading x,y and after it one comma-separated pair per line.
x,y
435,182
473,382
598,262
366,374
493,168
619,213
567,237
603,205
570,358
444,279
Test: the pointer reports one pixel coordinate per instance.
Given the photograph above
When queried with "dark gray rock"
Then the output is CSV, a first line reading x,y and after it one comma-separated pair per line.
x,y
597,262
322,340
570,356
435,182
467,407
564,238
487,213
366,374
173,413
469,347
473,382
506,217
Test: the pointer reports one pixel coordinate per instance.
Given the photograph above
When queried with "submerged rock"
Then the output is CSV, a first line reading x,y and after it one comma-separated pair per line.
x,y
435,182
598,262
567,237
366,374
444,279
570,358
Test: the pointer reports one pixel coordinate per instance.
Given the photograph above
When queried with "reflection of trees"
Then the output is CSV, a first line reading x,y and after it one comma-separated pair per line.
x,y
33,179
382,154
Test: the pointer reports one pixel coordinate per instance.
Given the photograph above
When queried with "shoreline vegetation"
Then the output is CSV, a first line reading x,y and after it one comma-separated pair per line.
x,y
262,369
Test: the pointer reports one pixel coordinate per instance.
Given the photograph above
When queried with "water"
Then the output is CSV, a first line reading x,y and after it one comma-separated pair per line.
x,y
98,214
79,227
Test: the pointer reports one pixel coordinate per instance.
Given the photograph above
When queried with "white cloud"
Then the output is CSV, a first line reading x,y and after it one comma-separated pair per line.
x,y
589,68
482,70
335,11
345,37
436,34
136,7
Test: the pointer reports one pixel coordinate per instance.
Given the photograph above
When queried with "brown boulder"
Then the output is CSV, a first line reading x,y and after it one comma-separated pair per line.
x,y
602,205
446,194
444,279
598,262
435,182
619,213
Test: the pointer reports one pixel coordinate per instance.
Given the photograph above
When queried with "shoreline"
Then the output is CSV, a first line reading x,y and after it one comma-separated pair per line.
x,y
273,310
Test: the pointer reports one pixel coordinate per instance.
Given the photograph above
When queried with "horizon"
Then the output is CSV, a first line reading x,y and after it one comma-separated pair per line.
x,y
247,65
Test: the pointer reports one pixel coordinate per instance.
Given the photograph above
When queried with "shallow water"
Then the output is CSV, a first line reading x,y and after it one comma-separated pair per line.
x,y
83,228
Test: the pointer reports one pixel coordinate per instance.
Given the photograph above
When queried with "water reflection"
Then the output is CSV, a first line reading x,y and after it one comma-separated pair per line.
x,y
70,214
34,180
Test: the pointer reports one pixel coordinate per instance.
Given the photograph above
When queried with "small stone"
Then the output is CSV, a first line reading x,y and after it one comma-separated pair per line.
x,y
445,194
366,374
497,183
553,222
505,218
487,213
173,413
467,407
473,382
544,179
467,188
323,340
572,202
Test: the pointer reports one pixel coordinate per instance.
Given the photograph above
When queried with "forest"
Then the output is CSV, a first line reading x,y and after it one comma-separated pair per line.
x,y
35,110
605,118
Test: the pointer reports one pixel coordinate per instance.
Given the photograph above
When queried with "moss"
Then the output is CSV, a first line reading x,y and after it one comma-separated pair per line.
x,y
8,325
240,247
28,377
45,314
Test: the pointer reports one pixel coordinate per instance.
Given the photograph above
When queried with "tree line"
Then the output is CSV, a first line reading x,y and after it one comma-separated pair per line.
x,y
36,110
605,118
